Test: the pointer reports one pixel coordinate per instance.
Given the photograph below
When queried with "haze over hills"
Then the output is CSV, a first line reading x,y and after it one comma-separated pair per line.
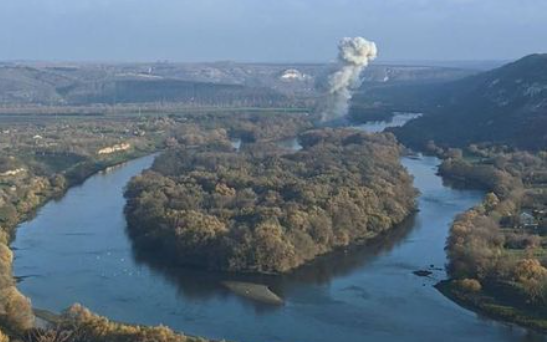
x,y
506,105
222,83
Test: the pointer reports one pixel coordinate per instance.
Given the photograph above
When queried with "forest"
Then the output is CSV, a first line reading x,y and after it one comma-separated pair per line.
x,y
269,210
497,250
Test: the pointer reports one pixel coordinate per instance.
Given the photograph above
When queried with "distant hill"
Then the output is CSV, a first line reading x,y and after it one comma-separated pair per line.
x,y
172,91
219,84
506,106
21,85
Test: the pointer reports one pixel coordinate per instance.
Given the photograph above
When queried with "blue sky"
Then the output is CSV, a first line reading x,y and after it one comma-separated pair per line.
x,y
268,30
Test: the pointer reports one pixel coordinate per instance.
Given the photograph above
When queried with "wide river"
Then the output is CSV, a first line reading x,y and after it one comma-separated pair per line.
x,y
76,250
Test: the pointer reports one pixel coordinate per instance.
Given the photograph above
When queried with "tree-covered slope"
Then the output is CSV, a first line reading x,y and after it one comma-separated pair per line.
x,y
506,106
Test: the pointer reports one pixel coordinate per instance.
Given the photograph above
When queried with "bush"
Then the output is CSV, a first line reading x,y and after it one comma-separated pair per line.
x,y
531,276
469,285
4,337
84,326
16,309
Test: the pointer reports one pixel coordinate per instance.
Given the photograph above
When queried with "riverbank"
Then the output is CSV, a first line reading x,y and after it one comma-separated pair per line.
x,y
486,305
78,321
75,176
16,313
47,319
506,270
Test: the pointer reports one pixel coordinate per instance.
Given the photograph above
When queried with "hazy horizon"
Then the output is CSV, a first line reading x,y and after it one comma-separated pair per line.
x,y
302,31
414,62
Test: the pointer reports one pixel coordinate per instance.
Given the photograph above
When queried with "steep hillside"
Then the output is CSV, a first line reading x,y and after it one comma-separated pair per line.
x,y
506,106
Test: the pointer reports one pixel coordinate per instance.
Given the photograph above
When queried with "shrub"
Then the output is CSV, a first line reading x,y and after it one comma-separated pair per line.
x,y
469,285
16,309
4,337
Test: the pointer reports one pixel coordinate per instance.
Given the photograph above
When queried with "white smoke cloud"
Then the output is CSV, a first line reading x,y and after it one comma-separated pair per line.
x,y
354,55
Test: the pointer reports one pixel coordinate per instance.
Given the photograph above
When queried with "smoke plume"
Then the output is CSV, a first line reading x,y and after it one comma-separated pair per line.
x,y
354,55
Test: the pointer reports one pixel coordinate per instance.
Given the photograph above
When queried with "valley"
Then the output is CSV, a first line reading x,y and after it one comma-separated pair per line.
x,y
254,215
355,281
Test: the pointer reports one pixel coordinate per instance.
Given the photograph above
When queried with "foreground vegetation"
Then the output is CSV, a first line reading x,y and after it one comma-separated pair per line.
x,y
262,210
78,324
497,250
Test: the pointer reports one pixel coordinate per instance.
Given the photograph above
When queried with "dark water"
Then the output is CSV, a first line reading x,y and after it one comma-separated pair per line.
x,y
76,250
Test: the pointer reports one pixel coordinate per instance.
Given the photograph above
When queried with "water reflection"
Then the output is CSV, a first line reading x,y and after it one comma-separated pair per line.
x,y
346,261
196,284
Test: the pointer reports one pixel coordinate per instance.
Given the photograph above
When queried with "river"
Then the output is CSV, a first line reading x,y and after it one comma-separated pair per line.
x,y
76,250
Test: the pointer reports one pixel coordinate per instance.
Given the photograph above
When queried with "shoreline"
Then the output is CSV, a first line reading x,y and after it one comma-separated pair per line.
x,y
495,311
47,317
150,251
482,302
97,167
11,230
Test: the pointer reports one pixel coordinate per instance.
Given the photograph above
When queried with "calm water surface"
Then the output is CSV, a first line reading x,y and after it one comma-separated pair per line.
x,y
76,250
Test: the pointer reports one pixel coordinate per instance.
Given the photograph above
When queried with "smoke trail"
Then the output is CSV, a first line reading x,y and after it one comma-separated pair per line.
x,y
354,55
